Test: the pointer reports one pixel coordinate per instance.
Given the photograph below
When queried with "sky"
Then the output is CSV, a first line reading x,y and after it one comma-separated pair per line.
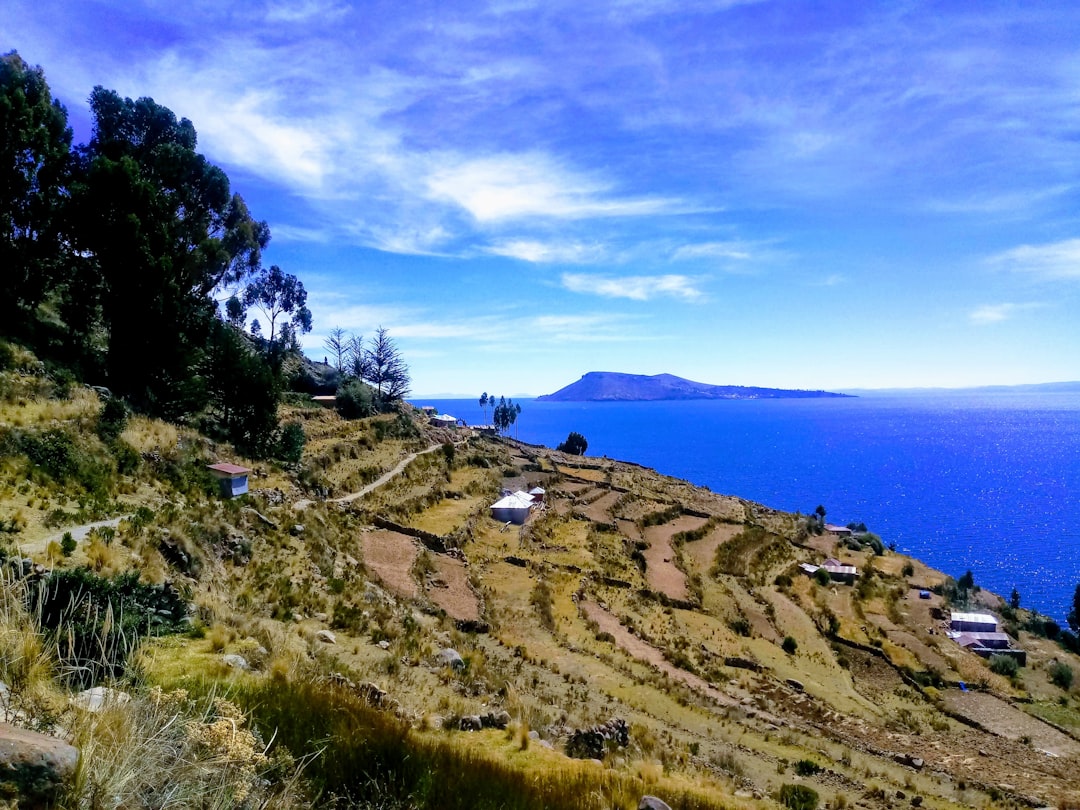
x,y
787,194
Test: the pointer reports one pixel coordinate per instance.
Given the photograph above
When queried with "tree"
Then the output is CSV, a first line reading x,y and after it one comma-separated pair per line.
x,y
1074,615
1014,599
505,414
820,512
157,230
278,293
575,444
35,163
483,403
386,370
338,345
966,582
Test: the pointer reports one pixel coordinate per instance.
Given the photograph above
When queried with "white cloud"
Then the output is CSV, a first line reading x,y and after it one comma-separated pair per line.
x,y
516,186
1056,260
528,250
636,288
996,313
740,251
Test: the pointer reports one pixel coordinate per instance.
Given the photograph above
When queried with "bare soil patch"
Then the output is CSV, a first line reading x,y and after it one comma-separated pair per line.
x,y
664,576
390,557
449,588
1006,720
599,511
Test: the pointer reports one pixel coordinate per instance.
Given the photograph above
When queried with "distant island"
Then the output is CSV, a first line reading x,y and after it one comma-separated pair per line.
x,y
613,386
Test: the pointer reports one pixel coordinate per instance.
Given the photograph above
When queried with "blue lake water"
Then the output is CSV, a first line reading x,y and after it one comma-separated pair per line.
x,y
987,482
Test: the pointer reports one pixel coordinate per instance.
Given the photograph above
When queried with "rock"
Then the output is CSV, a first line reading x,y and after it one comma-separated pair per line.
x,y
471,722
383,645
794,684
326,637
34,767
901,795
499,719
235,661
320,617
916,801
653,803
450,657
100,697
297,529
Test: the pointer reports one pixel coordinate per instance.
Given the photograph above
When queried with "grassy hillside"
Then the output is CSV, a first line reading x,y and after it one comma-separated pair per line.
x,y
339,581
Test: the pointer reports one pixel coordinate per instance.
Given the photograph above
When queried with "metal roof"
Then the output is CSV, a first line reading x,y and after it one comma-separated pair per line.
x,y
973,618
228,469
515,501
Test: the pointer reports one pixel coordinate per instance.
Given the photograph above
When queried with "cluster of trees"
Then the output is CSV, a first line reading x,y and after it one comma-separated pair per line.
x,y
115,253
504,413
373,372
575,443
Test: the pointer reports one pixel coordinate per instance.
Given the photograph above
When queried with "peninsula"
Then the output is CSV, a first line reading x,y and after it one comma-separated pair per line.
x,y
613,386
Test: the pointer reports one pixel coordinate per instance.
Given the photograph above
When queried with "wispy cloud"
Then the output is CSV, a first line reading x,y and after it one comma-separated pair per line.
x,y
537,252
996,313
739,251
517,186
636,288
1056,260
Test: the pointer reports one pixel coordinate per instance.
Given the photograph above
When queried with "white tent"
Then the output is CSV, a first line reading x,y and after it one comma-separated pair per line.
x,y
512,509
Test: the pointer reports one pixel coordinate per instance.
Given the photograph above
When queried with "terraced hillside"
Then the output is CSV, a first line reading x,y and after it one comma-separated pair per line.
x,y
626,595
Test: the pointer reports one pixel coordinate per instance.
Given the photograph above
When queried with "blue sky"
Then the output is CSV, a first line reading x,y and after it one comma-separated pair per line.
x,y
790,194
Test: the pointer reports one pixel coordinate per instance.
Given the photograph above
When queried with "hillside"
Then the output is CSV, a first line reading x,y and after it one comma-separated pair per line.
x,y
602,386
365,616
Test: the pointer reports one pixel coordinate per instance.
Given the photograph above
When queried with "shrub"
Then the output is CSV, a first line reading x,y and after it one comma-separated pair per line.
x,y
740,626
798,797
822,578
1061,674
908,570
1004,665
290,444
355,400
67,544
790,645
807,767
575,444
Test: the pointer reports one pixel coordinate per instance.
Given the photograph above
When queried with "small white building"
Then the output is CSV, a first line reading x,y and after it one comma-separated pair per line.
x,y
972,622
443,420
837,531
513,508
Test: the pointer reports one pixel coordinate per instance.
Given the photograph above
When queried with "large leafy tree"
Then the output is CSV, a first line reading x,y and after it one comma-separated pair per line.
x,y
35,160
278,293
162,231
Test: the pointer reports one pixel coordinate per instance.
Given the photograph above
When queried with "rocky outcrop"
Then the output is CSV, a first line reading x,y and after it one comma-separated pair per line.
x,y
34,767
591,743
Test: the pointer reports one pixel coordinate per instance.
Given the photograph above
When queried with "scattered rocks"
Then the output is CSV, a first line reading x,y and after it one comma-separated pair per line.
x,y
742,663
34,767
326,637
500,719
100,697
234,661
591,743
450,657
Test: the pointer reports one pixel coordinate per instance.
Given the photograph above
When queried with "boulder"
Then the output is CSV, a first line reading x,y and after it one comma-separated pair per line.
x,y
500,719
100,697
653,803
34,767
450,657
235,661
471,722
326,637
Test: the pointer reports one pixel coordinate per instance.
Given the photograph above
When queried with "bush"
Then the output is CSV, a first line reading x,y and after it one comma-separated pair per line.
x,y
67,544
790,645
355,400
1061,674
290,445
807,767
575,444
798,797
908,570
1004,665
822,578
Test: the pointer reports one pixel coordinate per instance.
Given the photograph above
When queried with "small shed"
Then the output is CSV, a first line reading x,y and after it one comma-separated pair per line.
x,y
428,410
837,531
232,478
326,401
512,509
840,572
972,622
537,494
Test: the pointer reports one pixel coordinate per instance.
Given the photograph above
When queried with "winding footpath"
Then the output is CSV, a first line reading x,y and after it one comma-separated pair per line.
x,y
378,482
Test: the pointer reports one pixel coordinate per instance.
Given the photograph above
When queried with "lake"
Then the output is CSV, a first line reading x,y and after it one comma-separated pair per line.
x,y
987,482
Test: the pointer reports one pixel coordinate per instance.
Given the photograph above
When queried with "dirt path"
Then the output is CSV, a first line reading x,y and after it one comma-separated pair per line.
x,y
383,479
78,533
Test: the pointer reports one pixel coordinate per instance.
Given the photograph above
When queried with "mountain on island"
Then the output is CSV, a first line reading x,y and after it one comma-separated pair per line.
x,y
613,386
